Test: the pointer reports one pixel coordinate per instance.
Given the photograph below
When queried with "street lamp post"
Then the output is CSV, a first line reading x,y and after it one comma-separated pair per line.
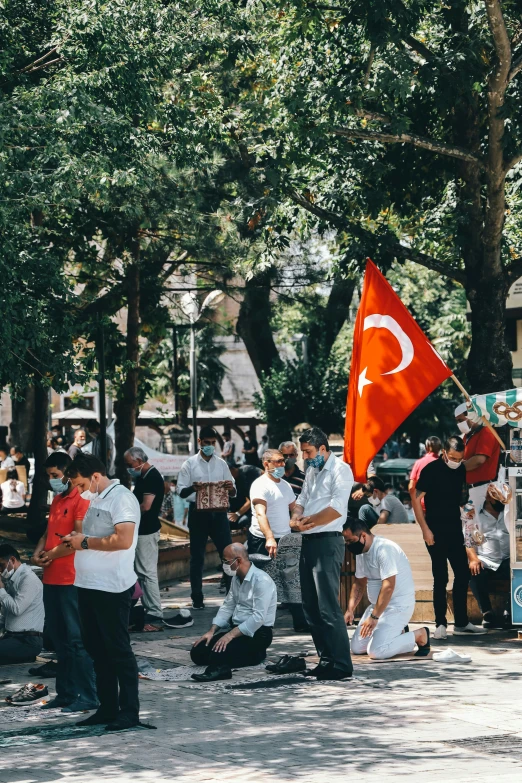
x,y
191,308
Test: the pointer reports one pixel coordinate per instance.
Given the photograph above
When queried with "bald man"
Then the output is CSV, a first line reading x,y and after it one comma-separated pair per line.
x,y
241,631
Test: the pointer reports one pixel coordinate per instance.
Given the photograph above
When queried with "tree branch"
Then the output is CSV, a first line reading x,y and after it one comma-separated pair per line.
x,y
420,48
438,147
500,37
367,114
516,67
515,160
37,62
400,251
371,58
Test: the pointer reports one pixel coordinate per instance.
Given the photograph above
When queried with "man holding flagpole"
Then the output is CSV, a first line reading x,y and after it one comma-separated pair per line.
x,y
481,455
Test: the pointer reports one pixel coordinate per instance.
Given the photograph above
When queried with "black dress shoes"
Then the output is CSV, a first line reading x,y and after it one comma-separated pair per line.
x,y
288,664
315,671
123,722
97,719
213,673
332,673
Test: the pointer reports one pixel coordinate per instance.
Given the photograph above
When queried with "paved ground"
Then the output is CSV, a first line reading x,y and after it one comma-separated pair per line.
x,y
440,723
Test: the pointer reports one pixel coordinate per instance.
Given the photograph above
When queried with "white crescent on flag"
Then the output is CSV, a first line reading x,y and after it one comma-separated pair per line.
x,y
378,321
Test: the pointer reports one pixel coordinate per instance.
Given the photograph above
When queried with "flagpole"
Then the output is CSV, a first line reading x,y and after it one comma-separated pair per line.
x,y
486,422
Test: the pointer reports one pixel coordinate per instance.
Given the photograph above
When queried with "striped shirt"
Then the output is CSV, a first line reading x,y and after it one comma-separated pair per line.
x,y
21,601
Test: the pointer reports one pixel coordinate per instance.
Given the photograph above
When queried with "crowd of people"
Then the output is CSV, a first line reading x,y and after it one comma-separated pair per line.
x,y
99,553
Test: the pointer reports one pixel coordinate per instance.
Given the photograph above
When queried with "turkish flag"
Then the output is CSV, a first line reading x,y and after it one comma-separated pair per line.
x,y
394,367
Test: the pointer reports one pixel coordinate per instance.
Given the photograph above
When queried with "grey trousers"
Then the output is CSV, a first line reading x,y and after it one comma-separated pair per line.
x,y
320,571
146,565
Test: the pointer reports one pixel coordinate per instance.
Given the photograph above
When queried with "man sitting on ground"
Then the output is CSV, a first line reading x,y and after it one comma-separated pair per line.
x,y
490,557
388,509
21,602
241,631
382,568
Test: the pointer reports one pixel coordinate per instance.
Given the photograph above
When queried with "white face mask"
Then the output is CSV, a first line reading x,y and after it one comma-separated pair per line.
x,y
88,495
374,501
452,464
7,574
227,569
464,427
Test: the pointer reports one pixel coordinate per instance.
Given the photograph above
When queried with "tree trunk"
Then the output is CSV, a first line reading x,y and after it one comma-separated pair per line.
x,y
489,362
323,334
22,421
126,405
253,324
38,505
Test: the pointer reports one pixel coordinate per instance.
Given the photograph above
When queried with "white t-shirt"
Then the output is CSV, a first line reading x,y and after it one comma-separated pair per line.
x,y
384,559
13,497
277,495
112,572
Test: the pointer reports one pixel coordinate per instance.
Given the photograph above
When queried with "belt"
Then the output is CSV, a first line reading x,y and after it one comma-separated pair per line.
x,y
322,535
24,633
481,483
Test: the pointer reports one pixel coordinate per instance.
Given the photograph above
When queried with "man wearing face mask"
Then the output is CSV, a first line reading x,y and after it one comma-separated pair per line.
x,y
490,557
22,614
149,490
204,467
77,445
75,681
241,631
384,509
384,570
105,578
293,474
441,485
481,455
319,515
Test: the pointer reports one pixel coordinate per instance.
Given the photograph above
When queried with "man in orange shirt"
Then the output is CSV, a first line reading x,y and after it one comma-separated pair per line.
x,y
481,455
75,680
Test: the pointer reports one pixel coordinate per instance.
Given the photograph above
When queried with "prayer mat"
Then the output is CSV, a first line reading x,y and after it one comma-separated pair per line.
x,y
54,733
30,713
180,673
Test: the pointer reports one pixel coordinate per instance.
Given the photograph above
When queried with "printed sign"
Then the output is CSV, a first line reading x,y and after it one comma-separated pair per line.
x,y
516,596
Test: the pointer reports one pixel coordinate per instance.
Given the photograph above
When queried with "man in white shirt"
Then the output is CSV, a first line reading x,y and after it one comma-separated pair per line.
x,y
21,609
319,514
273,500
105,578
489,557
241,631
6,461
384,570
204,467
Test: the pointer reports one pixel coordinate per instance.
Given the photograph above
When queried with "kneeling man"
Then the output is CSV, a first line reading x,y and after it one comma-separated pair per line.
x,y
241,631
382,568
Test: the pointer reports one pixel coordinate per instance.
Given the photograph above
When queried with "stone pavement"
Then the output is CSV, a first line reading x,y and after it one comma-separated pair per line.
x,y
440,723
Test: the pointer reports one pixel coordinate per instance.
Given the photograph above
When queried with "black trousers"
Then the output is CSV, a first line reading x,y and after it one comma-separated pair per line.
x,y
320,571
480,585
105,622
243,651
449,545
19,648
202,525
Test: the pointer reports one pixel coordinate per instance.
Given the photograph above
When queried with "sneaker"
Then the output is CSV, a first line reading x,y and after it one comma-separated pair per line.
x,y
28,693
198,604
181,620
441,632
468,630
47,670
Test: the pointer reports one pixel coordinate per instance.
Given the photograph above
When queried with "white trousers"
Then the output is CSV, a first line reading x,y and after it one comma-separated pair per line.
x,y
387,638
146,566
478,496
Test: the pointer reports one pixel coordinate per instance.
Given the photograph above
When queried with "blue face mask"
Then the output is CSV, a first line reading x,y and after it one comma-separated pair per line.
x,y
57,485
208,450
315,462
134,472
278,473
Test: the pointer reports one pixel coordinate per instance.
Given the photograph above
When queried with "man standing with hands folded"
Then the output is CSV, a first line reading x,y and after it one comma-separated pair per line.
x,y
319,515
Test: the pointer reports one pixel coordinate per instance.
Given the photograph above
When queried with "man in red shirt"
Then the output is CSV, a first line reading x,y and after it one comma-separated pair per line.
x,y
433,448
75,680
481,455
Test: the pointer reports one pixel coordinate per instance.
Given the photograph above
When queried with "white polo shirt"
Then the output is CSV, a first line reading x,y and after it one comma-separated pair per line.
x,y
111,572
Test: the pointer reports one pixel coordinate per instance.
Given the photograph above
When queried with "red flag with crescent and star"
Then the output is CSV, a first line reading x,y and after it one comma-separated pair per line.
x,y
394,367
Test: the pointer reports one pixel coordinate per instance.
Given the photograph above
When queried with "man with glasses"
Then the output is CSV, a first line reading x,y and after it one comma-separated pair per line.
x,y
441,484
293,474
241,631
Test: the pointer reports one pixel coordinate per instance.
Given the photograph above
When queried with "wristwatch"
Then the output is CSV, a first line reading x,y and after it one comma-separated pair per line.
x,y
372,614
85,543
